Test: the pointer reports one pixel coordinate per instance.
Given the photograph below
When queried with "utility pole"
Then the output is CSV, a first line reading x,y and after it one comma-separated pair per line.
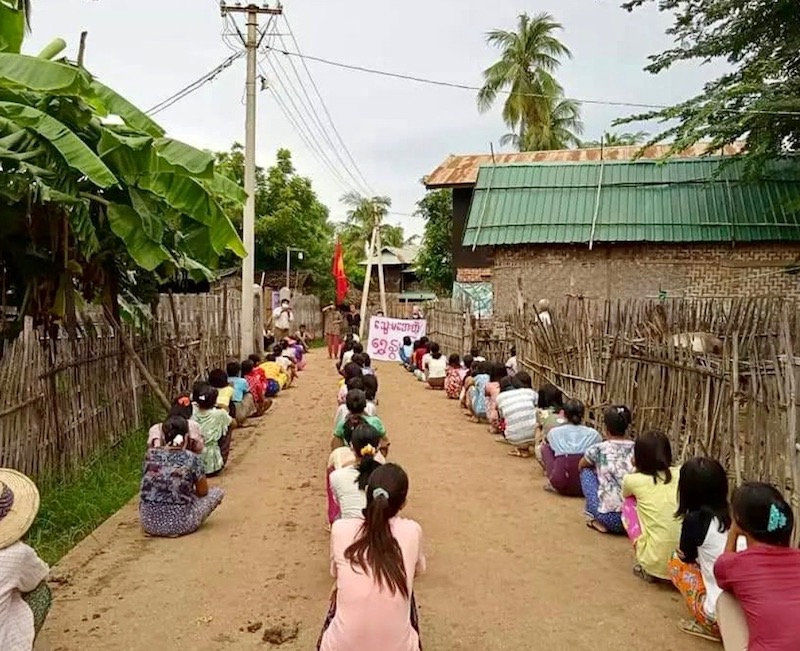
x,y
252,12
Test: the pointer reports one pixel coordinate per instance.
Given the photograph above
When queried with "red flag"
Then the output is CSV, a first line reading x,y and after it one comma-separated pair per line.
x,y
338,273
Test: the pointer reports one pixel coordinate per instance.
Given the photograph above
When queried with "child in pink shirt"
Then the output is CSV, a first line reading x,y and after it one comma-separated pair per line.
x,y
372,578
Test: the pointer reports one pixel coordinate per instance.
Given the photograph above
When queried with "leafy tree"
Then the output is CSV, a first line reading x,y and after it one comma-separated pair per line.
x,y
759,99
535,109
561,132
288,214
617,140
435,261
92,209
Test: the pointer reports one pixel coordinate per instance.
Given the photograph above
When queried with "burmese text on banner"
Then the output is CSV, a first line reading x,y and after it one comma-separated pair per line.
x,y
386,336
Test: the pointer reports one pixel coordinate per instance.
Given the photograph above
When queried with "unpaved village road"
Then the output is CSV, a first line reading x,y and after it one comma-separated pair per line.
x,y
510,566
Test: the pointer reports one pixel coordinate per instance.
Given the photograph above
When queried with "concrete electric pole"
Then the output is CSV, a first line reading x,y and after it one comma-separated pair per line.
x,y
252,12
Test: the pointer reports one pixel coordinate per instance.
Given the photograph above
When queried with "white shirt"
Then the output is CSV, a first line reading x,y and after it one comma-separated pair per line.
x,y
347,358
512,365
282,320
351,499
436,368
21,570
707,554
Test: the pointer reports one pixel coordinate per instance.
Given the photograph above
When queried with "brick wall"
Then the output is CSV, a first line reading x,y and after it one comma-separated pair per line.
x,y
473,275
638,271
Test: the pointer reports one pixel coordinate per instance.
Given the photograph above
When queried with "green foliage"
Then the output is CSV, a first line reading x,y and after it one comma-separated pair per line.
x,y
91,208
617,140
435,261
535,108
759,99
71,510
288,213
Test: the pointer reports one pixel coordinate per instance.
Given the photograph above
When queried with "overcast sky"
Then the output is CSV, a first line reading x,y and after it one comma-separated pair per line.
x,y
397,131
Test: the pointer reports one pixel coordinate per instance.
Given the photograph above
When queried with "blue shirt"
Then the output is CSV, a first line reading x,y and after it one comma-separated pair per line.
x,y
240,387
405,353
572,439
479,397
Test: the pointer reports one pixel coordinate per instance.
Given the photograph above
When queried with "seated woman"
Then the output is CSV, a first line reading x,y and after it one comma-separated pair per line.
x,y
497,373
406,351
370,383
651,501
550,414
352,370
242,404
603,467
274,371
286,362
435,367
218,378
215,427
257,384
759,608
374,562
356,403
181,407
342,412
703,505
564,448
348,482
175,498
271,386
453,380
516,408
476,392
24,596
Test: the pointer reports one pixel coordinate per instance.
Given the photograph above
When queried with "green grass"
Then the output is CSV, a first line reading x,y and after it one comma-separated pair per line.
x,y
71,510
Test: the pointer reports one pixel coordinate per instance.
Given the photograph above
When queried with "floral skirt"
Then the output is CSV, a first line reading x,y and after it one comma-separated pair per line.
x,y
688,578
414,615
173,520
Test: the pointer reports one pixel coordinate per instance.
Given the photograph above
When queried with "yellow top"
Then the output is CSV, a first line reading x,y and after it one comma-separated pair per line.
x,y
224,396
656,503
274,371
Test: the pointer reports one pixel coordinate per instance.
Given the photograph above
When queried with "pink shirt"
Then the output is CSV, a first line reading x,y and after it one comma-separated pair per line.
x,y
369,618
196,443
492,391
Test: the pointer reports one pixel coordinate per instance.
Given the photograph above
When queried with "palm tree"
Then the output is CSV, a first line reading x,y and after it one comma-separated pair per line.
x,y
363,215
618,140
535,109
561,132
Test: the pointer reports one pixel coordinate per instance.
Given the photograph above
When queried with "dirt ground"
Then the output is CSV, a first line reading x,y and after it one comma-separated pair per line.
x,y
509,566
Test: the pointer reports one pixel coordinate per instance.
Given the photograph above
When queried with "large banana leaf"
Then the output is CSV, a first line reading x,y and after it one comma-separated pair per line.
x,y
223,187
127,225
112,102
74,151
43,76
148,208
12,27
196,162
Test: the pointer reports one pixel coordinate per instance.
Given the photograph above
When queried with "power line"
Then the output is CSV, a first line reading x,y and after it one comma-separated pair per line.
x,y
308,104
301,125
325,107
460,86
196,85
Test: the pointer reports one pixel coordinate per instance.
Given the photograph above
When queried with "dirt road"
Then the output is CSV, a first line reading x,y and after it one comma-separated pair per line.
x,y
510,566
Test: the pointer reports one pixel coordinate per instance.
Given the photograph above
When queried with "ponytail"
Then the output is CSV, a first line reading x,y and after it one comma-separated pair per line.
x,y
376,551
365,440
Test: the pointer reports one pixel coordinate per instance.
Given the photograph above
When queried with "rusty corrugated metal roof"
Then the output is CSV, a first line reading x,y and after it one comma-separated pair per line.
x,y
460,171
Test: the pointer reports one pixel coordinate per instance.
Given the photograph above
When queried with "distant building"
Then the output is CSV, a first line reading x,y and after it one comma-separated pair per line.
x,y
399,275
549,224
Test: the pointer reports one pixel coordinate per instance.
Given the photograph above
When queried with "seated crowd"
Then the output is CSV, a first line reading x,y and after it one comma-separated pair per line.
x,y
375,553
189,446
733,563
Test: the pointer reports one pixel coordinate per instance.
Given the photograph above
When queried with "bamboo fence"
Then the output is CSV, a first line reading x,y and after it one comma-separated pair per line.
x,y
718,376
65,399
450,325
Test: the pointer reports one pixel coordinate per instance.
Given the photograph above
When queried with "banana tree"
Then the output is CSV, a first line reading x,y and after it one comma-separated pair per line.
x,y
91,204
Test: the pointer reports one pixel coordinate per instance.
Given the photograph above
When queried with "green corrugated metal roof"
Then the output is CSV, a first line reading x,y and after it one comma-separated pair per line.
x,y
690,200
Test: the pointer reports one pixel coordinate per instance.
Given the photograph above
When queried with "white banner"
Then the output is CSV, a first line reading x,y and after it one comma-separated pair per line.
x,y
386,336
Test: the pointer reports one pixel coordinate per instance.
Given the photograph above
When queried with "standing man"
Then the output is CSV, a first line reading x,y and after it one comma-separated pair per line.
x,y
415,312
354,319
282,319
333,321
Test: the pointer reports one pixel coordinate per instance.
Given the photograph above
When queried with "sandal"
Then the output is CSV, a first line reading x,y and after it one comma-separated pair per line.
x,y
638,571
696,629
518,453
594,524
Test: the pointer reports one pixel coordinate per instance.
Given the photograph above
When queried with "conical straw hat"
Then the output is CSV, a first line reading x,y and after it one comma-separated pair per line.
x,y
19,504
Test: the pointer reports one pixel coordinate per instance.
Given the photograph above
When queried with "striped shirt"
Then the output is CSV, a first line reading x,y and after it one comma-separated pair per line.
x,y
518,408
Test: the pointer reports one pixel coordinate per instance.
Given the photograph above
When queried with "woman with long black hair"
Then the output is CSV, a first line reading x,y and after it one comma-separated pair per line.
x,y
374,562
